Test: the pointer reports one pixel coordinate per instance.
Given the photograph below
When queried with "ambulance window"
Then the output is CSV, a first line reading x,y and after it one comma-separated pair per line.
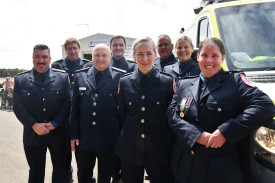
x,y
204,30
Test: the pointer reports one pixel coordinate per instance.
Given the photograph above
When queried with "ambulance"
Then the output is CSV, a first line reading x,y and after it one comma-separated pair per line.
x,y
247,29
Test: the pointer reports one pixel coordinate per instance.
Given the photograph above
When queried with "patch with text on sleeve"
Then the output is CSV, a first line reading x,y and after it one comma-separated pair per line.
x,y
246,81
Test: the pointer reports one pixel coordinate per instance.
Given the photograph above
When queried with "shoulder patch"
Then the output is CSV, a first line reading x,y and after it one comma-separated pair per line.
x,y
84,69
58,70
24,72
246,81
117,69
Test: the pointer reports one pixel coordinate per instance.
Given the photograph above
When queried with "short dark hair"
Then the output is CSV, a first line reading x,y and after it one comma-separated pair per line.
x,y
117,37
214,41
41,47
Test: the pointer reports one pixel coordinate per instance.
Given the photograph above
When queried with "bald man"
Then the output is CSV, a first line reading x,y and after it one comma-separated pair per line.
x,y
94,121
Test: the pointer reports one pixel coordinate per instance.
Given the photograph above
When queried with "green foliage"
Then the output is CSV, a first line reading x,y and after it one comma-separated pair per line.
x,y
10,72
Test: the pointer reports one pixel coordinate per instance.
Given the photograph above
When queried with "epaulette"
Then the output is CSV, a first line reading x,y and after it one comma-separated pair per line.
x,y
169,64
234,71
119,70
164,73
23,72
131,61
84,69
58,70
85,60
61,60
189,77
127,74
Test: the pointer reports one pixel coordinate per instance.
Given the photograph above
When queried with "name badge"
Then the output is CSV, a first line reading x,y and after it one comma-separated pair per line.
x,y
82,88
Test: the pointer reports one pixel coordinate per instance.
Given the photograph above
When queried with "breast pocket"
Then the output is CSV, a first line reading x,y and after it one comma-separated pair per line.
x,y
57,95
29,98
219,112
132,106
156,107
110,99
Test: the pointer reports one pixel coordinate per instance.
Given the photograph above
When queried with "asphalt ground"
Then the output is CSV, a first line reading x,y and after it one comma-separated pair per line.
x,y
13,164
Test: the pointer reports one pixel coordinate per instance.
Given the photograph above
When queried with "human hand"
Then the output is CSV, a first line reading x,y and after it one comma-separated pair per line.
x,y
40,128
203,138
73,143
216,139
50,126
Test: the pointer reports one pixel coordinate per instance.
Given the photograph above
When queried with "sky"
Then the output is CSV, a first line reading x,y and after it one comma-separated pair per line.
x,y
25,23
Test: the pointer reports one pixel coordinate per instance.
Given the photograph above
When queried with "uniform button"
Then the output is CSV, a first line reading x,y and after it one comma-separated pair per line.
x,y
142,136
192,152
43,99
44,109
142,97
73,75
28,93
158,103
43,89
94,113
142,120
81,94
57,92
111,94
72,83
219,109
179,77
94,104
94,123
96,95
130,103
143,108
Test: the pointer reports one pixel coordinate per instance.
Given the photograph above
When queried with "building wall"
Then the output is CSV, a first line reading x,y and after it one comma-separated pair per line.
x,y
89,42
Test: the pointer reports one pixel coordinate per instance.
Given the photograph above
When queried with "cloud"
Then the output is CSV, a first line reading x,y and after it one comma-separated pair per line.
x,y
26,23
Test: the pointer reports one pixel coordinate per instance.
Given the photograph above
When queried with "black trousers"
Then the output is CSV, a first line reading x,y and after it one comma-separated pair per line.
x,y
160,173
86,162
36,157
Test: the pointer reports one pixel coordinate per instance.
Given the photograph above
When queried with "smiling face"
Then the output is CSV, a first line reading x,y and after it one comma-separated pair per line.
x,y
184,50
101,57
165,47
210,59
72,50
118,47
41,60
144,56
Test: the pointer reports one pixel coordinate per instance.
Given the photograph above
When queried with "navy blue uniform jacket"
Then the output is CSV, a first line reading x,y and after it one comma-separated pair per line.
x,y
127,65
38,103
228,104
170,60
61,64
145,136
190,69
94,114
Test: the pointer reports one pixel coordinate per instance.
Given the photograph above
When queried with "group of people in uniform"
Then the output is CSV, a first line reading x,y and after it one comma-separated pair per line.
x,y
180,120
